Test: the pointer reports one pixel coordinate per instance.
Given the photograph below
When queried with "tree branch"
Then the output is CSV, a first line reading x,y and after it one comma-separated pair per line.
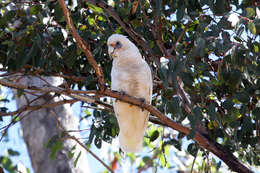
x,y
83,45
179,38
37,107
80,143
135,36
202,139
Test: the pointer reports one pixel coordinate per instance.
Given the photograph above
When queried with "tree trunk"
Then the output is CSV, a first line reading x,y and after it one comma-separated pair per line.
x,y
39,126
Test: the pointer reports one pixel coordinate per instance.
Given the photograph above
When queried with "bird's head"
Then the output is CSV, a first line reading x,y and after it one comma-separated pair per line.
x,y
120,46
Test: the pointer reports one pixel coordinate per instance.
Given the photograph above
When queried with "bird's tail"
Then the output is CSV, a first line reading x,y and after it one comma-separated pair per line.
x,y
132,122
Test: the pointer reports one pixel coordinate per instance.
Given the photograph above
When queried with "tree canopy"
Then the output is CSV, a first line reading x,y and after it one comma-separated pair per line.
x,y
204,56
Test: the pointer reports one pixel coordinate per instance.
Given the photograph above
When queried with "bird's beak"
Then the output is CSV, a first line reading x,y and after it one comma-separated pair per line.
x,y
111,49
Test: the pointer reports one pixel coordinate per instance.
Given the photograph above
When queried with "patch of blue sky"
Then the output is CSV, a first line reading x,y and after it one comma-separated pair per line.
x,y
13,140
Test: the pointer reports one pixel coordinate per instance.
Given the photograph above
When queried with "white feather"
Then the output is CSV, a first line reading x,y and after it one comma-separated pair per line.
x,y
132,75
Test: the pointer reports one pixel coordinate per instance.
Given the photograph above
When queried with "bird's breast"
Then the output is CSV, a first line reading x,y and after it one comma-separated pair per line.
x,y
125,81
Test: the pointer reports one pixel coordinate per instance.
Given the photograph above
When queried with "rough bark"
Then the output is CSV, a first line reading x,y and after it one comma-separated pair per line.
x,y
39,126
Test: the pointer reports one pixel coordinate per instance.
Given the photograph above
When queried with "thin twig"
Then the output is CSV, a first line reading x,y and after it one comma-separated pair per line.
x,y
179,38
37,107
90,152
81,144
193,162
149,163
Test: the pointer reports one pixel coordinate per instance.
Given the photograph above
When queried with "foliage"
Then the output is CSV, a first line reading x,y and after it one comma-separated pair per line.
x,y
6,161
217,61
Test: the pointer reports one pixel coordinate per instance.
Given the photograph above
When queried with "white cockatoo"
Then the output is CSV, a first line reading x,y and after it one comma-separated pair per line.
x,y
131,75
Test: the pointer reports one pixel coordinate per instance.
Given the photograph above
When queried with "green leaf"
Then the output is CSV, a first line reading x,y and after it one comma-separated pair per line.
x,y
91,21
205,2
256,113
180,13
191,134
193,149
154,135
256,48
57,146
251,27
212,125
163,75
146,159
228,104
212,111
175,106
224,23
7,164
243,97
77,159
91,135
95,8
58,13
235,76
237,39
71,153
162,159
250,12
4,100
247,125
197,112
3,109
173,142
257,25
33,51
96,114
35,9
98,142
219,7
10,15
240,30
13,153
88,80
187,78
51,141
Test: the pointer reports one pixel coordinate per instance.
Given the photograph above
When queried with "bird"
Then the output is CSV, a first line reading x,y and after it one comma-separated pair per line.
x,y
131,75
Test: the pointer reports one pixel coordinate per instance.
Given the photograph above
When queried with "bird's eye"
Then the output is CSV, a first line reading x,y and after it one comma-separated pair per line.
x,y
118,45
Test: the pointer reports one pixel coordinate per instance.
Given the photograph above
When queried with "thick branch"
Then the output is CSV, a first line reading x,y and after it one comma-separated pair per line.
x,y
204,141
201,139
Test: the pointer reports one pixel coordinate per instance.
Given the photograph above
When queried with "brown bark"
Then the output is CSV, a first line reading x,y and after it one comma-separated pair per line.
x,y
202,139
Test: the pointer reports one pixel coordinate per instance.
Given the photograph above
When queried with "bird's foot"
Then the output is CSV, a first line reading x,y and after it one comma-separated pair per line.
x,y
142,103
122,93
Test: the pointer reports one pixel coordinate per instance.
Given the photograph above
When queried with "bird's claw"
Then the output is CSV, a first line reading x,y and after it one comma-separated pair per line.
x,y
142,103
122,93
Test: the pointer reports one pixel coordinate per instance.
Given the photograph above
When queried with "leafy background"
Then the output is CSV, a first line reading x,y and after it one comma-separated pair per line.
x,y
217,60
